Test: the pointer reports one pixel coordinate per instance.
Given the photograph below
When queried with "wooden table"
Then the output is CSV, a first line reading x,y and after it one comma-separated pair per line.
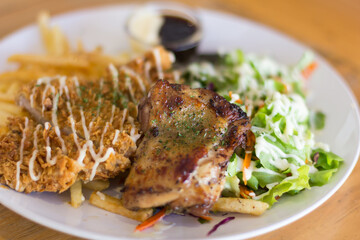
x,y
330,27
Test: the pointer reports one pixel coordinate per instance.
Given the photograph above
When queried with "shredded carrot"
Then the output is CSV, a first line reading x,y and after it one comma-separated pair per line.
x,y
207,218
151,220
250,142
286,90
230,94
244,192
309,69
239,101
246,164
306,161
243,195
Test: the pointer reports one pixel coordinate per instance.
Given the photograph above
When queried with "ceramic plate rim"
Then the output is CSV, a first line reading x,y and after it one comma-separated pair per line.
x,y
85,234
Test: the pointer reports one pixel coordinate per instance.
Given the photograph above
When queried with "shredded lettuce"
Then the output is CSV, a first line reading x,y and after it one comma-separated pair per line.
x,y
288,184
231,187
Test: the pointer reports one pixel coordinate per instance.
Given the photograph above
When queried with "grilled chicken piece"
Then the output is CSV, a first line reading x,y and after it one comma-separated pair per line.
x,y
190,134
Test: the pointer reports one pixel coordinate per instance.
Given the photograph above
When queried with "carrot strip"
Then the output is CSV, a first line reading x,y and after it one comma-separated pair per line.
x,y
244,195
306,72
246,164
250,142
207,218
244,192
151,221
230,94
286,90
239,101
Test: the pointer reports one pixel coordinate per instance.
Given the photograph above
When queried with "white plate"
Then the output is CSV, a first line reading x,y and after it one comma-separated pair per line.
x,y
105,26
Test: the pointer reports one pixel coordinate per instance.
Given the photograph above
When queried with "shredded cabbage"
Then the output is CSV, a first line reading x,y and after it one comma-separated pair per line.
x,y
286,158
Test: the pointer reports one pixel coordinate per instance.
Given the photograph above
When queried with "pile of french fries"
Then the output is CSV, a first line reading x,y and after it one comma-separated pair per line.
x,y
114,205
61,60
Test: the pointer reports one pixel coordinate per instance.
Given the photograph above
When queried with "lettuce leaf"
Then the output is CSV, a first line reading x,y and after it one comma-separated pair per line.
x,y
317,120
287,185
321,178
325,160
260,179
327,163
231,188
251,183
267,178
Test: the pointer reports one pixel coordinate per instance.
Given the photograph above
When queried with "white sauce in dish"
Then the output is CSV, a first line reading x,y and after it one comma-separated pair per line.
x,y
144,25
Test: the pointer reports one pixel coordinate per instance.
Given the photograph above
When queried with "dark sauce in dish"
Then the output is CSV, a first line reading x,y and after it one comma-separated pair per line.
x,y
176,35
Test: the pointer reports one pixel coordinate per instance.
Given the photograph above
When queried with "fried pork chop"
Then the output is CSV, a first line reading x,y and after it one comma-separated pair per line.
x,y
190,134
77,129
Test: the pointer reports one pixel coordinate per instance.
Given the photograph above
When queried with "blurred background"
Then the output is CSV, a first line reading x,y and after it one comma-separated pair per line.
x,y
330,27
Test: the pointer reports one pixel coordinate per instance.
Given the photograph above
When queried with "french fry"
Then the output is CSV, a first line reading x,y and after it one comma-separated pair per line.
x,y
21,75
60,44
240,205
71,61
10,108
54,40
43,22
115,205
76,194
4,117
97,185
4,97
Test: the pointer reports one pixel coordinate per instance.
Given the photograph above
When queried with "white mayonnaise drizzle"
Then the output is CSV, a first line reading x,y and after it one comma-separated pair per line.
x,y
21,154
47,87
98,157
90,146
134,137
115,137
32,98
138,79
100,98
123,119
115,76
34,155
55,122
147,71
157,57
113,107
48,148
128,85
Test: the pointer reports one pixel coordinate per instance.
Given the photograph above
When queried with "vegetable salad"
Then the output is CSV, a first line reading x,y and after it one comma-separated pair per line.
x,y
283,158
